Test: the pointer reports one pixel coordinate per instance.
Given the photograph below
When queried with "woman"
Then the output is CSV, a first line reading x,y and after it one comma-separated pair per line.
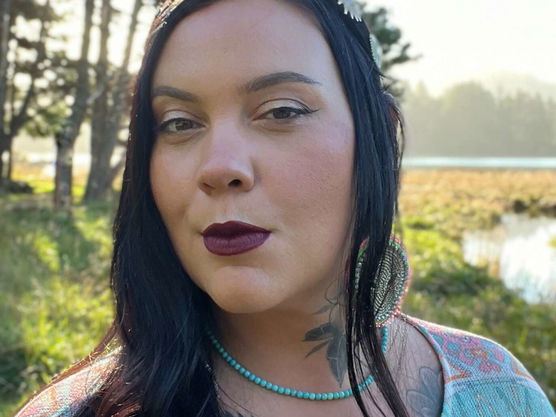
x,y
254,270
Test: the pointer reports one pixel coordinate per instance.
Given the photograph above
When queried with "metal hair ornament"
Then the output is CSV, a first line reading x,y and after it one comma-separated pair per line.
x,y
377,50
351,7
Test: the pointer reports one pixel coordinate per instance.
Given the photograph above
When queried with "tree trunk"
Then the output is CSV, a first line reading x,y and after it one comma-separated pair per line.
x,y
9,131
65,139
1,169
99,162
5,20
2,152
6,153
104,138
64,178
10,162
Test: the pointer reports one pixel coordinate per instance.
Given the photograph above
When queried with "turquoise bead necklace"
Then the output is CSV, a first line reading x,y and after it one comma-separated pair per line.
x,y
250,376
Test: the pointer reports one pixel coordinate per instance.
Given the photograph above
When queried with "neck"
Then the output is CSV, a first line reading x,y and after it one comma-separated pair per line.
x,y
299,347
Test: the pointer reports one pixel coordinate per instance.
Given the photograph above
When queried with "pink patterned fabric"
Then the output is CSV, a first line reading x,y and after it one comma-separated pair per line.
x,y
63,398
482,378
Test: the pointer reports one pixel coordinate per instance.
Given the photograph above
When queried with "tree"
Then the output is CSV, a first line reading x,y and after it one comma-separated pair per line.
x,y
467,121
421,118
109,109
66,136
394,51
5,18
24,63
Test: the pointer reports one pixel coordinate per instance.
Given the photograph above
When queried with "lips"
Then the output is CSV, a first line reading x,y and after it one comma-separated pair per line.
x,y
233,238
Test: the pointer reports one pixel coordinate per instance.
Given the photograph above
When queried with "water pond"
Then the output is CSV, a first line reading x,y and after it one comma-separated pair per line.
x,y
521,251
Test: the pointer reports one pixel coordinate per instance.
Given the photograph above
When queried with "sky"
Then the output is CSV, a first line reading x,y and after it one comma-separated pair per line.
x,y
466,39
459,39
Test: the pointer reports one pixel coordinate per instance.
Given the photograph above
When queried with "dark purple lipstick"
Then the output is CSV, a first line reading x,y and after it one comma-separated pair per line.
x,y
233,238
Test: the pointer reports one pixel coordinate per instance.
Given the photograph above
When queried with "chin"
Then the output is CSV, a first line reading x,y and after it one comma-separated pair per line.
x,y
241,302
242,292
234,307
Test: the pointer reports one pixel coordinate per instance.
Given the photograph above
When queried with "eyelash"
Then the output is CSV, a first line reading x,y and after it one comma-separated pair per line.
x,y
162,128
304,111
297,111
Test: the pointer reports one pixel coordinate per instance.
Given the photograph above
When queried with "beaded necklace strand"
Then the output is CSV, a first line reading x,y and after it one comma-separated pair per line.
x,y
250,376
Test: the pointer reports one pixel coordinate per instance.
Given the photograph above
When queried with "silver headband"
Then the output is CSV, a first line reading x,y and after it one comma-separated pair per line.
x,y
352,8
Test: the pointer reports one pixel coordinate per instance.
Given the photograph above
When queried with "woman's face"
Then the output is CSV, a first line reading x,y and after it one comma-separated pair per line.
x,y
254,126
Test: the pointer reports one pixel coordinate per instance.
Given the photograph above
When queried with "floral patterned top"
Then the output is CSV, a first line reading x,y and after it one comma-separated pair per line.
x,y
481,378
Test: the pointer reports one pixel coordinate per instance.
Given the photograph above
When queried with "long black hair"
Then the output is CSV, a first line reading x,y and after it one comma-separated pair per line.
x,y
161,314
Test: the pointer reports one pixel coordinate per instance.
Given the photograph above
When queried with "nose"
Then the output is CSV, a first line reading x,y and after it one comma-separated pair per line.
x,y
226,161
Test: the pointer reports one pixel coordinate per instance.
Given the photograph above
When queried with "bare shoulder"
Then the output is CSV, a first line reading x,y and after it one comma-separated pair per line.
x,y
63,397
419,371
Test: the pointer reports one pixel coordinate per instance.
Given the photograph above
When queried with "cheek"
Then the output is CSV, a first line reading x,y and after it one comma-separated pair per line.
x,y
315,189
171,184
173,187
166,175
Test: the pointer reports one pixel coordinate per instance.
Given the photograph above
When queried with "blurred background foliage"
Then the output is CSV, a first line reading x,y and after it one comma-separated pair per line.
x,y
56,303
55,224
471,115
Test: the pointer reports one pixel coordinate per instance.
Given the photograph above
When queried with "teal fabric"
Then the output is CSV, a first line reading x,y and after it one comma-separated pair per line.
x,y
482,378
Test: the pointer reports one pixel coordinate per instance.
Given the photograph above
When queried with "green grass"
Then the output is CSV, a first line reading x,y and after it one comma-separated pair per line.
x,y
54,298
9,406
55,303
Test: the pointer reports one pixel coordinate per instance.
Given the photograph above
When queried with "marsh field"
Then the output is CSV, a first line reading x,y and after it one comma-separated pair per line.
x,y
55,303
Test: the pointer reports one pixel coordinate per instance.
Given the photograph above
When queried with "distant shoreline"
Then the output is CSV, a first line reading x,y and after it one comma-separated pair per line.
x,y
420,162
479,162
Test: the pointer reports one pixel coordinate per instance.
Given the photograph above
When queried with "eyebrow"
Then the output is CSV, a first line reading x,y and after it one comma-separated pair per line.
x,y
259,83
164,90
270,80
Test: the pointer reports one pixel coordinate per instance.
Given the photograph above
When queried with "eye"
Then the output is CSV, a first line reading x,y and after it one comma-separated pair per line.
x,y
287,113
177,125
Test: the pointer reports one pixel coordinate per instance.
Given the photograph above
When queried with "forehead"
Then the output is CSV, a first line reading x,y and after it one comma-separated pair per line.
x,y
242,39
